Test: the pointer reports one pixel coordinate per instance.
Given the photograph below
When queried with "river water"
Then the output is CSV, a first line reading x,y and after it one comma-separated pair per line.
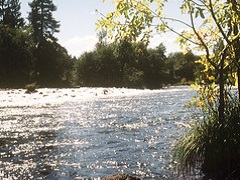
x,y
89,133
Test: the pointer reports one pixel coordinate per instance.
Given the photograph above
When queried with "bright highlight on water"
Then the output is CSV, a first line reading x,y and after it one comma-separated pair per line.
x,y
90,132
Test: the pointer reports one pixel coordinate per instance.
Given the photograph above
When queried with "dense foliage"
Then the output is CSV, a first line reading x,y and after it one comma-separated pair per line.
x,y
133,65
42,21
30,54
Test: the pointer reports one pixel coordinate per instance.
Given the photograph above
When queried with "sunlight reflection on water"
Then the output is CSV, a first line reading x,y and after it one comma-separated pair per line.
x,y
86,132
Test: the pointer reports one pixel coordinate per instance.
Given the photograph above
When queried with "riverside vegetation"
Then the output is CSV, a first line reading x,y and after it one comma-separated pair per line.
x,y
30,54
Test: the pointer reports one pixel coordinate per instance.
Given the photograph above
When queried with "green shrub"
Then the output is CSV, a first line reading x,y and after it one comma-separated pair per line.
x,y
211,146
31,88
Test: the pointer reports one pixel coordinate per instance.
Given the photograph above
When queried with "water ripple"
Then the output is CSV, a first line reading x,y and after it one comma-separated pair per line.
x,y
74,133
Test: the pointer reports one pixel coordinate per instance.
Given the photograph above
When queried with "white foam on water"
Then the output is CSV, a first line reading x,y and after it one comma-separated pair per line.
x,y
45,96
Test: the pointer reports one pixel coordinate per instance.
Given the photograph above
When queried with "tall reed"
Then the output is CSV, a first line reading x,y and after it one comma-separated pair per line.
x,y
211,146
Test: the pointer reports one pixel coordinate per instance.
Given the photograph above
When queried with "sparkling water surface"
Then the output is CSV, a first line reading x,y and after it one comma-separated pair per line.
x,y
89,133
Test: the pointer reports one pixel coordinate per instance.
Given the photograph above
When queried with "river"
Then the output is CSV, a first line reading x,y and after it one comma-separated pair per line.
x,y
89,133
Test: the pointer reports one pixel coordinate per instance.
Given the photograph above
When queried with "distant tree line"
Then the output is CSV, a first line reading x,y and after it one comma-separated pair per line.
x,y
30,53
125,64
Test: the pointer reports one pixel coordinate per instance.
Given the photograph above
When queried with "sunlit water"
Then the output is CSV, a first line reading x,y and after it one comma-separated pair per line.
x,y
90,132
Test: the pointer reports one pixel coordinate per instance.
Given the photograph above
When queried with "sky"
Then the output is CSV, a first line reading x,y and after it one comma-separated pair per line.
x,y
78,17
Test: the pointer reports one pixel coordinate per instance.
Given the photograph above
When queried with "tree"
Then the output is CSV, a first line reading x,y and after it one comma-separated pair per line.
x,y
154,67
51,64
142,67
124,55
108,65
42,21
10,14
183,66
87,71
210,22
16,49
15,45
100,67
220,25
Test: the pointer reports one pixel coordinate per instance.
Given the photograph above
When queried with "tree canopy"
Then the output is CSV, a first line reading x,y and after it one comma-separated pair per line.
x,y
29,51
42,21
10,14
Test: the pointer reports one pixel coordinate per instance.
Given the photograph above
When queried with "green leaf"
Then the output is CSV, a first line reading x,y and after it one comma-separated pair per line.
x,y
200,11
196,14
202,14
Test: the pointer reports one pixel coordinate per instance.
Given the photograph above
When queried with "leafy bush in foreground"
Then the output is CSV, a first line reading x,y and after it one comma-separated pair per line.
x,y
211,146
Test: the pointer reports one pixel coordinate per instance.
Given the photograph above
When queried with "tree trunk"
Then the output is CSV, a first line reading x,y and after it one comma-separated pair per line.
x,y
236,46
221,97
238,76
